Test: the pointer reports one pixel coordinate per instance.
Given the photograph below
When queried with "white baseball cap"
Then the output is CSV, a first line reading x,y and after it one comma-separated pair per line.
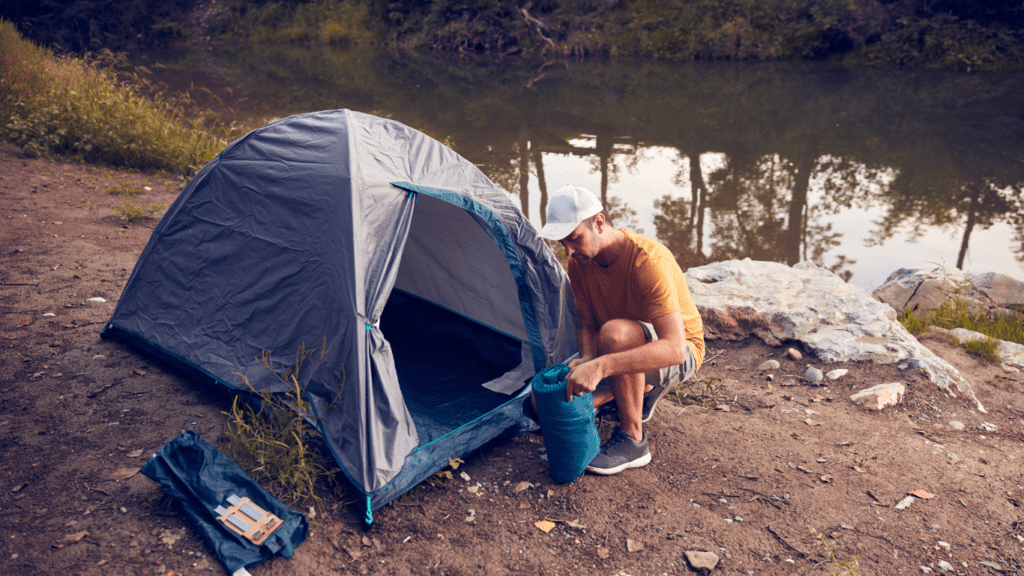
x,y
570,206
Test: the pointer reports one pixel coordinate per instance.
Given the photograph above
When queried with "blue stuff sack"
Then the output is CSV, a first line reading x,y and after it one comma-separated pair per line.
x,y
570,435
201,477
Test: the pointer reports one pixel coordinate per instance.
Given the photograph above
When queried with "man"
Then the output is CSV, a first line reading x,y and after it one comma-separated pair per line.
x,y
640,333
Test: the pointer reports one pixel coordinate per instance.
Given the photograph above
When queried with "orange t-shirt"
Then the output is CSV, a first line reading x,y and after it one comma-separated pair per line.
x,y
644,282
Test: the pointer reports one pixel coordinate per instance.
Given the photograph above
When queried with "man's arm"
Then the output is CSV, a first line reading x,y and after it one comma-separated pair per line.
x,y
586,337
667,350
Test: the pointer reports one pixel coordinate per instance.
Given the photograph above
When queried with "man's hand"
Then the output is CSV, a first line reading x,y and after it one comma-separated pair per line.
x,y
584,377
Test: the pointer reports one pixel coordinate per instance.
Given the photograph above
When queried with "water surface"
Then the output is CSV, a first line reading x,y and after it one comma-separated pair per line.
x,y
863,171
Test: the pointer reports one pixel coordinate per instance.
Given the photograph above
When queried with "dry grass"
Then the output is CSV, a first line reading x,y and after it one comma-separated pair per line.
x,y
79,107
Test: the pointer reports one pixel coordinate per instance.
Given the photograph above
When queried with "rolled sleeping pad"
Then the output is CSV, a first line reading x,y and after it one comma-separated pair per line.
x,y
570,434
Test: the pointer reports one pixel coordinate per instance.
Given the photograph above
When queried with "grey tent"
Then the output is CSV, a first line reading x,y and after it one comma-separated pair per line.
x,y
436,299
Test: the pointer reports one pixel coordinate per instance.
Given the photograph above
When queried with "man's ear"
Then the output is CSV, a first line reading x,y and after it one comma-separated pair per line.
x,y
600,222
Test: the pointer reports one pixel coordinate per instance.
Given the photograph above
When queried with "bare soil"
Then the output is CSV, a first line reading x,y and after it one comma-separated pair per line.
x,y
747,480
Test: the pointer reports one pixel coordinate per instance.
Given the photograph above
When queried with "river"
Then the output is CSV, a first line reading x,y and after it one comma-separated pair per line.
x,y
863,171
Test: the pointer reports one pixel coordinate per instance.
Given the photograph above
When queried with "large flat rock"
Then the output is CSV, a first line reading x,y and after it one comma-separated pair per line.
x,y
839,322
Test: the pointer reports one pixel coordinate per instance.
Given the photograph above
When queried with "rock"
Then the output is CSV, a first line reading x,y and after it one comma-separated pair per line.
x,y
926,570
881,395
839,322
946,566
997,290
769,365
907,289
956,425
992,565
987,427
634,545
903,504
944,545
701,560
836,374
814,375
793,354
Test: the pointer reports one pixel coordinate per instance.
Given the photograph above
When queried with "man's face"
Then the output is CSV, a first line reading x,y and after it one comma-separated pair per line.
x,y
582,243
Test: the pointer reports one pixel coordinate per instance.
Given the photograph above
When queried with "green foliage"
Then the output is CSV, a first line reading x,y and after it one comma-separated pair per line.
x,y
79,107
79,25
339,22
124,189
986,348
275,439
132,212
702,392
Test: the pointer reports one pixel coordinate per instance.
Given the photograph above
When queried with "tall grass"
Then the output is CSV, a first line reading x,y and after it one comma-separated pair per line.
x,y
78,107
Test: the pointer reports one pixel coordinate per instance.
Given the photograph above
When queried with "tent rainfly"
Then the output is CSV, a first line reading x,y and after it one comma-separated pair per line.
x,y
434,296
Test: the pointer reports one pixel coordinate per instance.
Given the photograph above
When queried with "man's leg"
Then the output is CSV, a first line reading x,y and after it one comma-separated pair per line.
x,y
627,389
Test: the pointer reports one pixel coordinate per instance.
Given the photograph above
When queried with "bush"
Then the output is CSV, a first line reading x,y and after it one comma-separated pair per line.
x,y
78,107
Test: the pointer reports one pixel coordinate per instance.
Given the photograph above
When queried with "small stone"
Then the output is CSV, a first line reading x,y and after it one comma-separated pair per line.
x,y
738,519
926,570
955,425
879,396
814,375
987,427
770,377
49,315
903,504
464,476
946,566
944,545
701,560
634,545
769,365
837,373
520,486
793,353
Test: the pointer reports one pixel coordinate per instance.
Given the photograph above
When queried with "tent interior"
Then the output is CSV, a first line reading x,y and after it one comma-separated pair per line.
x,y
454,321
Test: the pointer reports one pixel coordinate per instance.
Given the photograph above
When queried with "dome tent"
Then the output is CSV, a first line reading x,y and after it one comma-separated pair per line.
x,y
436,299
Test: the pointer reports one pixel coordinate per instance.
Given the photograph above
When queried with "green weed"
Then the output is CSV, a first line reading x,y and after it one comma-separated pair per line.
x,y
985,348
836,568
700,391
131,212
124,189
275,438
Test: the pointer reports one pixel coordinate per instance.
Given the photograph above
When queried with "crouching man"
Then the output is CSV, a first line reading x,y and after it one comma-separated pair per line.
x,y
640,333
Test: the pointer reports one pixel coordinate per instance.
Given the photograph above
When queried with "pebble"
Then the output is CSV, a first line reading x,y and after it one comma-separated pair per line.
x,y
987,427
926,570
903,504
793,353
769,365
836,374
944,545
955,425
814,375
946,566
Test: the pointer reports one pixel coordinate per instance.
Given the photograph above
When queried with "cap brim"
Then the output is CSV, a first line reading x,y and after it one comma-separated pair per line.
x,y
556,230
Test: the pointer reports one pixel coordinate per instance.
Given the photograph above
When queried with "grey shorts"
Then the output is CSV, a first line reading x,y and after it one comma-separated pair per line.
x,y
671,375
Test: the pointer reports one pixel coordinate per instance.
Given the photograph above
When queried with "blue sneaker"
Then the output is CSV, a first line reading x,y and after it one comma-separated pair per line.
x,y
619,453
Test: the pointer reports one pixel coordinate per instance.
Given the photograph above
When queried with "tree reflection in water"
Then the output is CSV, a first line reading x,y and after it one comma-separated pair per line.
x,y
769,161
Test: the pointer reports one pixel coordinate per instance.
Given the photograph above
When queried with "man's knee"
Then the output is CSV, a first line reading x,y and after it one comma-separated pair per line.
x,y
620,334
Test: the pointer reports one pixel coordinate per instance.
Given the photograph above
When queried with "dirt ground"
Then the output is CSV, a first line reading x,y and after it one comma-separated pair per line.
x,y
747,481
